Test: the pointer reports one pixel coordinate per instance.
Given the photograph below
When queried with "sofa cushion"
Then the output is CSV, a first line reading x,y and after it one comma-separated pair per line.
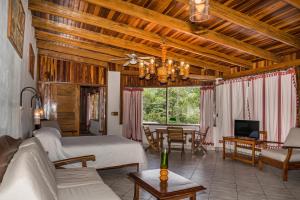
x,y
8,147
37,144
24,180
39,156
280,154
90,192
76,177
293,138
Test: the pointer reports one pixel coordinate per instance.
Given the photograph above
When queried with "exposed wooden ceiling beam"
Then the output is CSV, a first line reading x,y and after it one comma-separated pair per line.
x,y
41,35
279,66
76,52
51,8
236,17
179,25
202,77
239,45
295,3
68,57
66,29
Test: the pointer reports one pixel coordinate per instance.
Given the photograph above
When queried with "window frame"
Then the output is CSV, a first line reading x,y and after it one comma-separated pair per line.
x,y
166,105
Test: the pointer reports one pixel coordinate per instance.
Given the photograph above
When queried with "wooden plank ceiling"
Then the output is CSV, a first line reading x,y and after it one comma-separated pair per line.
x,y
237,34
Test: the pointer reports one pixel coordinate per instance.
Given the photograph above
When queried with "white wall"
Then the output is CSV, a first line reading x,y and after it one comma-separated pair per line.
x,y
14,75
113,103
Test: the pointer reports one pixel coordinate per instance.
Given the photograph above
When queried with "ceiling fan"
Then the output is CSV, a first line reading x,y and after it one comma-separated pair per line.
x,y
133,59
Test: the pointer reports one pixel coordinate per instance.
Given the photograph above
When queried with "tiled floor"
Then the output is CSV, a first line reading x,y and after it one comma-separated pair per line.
x,y
224,180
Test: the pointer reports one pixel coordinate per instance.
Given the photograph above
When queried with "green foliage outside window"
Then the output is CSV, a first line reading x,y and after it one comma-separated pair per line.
x,y
175,105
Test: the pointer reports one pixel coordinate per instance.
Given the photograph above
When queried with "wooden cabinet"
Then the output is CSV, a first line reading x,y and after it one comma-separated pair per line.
x,y
67,100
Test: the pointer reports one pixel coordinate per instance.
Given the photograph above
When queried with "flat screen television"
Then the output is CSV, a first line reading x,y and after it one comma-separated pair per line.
x,y
246,128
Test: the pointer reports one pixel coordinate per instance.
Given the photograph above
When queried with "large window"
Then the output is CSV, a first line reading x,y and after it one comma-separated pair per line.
x,y
173,105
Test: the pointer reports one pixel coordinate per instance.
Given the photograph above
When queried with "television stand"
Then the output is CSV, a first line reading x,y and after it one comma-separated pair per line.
x,y
244,143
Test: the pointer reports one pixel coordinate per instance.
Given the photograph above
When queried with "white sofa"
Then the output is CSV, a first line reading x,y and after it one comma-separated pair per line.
x,y
30,175
286,158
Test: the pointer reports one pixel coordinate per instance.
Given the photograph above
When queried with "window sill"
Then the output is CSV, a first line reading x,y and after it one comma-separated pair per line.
x,y
157,124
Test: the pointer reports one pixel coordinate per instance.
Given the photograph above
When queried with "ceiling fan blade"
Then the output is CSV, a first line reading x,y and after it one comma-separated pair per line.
x,y
145,57
126,64
132,56
116,59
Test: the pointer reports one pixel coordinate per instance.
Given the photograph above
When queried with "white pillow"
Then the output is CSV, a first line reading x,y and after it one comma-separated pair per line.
x,y
48,130
50,139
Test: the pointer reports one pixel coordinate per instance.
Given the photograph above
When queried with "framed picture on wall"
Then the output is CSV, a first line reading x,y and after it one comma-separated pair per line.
x,y
31,61
16,25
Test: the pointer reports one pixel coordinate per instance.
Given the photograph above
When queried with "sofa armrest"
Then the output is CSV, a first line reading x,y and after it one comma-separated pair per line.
x,y
82,159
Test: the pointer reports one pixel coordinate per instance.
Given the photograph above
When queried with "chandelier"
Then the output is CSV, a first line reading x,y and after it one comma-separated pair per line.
x,y
164,70
199,10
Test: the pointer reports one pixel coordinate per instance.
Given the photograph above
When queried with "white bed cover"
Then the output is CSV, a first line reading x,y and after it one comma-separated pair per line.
x,y
110,150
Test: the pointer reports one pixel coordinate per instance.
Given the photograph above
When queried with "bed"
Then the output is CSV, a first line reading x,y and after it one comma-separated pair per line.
x,y
111,151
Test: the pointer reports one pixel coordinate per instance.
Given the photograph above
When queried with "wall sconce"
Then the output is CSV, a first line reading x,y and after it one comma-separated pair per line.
x,y
38,110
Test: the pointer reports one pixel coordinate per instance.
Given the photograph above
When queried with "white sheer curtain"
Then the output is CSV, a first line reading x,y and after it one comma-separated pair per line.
x,y
272,97
254,99
269,98
238,100
207,108
132,113
223,107
288,103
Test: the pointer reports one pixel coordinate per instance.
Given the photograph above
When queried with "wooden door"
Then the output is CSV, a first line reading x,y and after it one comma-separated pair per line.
x,y
67,98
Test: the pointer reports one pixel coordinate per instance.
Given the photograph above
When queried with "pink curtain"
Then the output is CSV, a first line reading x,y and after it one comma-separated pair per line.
x,y
207,108
270,98
132,113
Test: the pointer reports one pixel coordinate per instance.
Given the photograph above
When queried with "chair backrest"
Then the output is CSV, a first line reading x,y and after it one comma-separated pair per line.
x,y
150,137
175,133
148,134
293,138
202,136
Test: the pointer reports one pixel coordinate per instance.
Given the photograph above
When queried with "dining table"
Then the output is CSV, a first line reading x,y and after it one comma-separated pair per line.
x,y
160,132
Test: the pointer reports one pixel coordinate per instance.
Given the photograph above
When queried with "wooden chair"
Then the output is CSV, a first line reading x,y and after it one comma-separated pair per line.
x,y
153,143
200,139
285,158
175,135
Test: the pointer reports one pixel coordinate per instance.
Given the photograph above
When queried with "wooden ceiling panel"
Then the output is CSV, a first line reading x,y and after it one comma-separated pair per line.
x,y
239,32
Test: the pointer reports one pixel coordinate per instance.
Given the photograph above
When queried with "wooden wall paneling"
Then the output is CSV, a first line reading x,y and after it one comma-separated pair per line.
x,y
72,72
100,76
40,67
54,70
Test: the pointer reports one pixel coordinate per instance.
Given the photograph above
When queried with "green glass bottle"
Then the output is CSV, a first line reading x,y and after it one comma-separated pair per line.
x,y
164,159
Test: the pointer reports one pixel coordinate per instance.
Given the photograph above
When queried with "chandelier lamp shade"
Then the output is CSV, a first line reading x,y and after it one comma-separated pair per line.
x,y
199,10
164,69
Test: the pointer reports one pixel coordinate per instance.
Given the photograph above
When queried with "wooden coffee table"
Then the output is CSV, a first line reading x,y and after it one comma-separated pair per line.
x,y
177,187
